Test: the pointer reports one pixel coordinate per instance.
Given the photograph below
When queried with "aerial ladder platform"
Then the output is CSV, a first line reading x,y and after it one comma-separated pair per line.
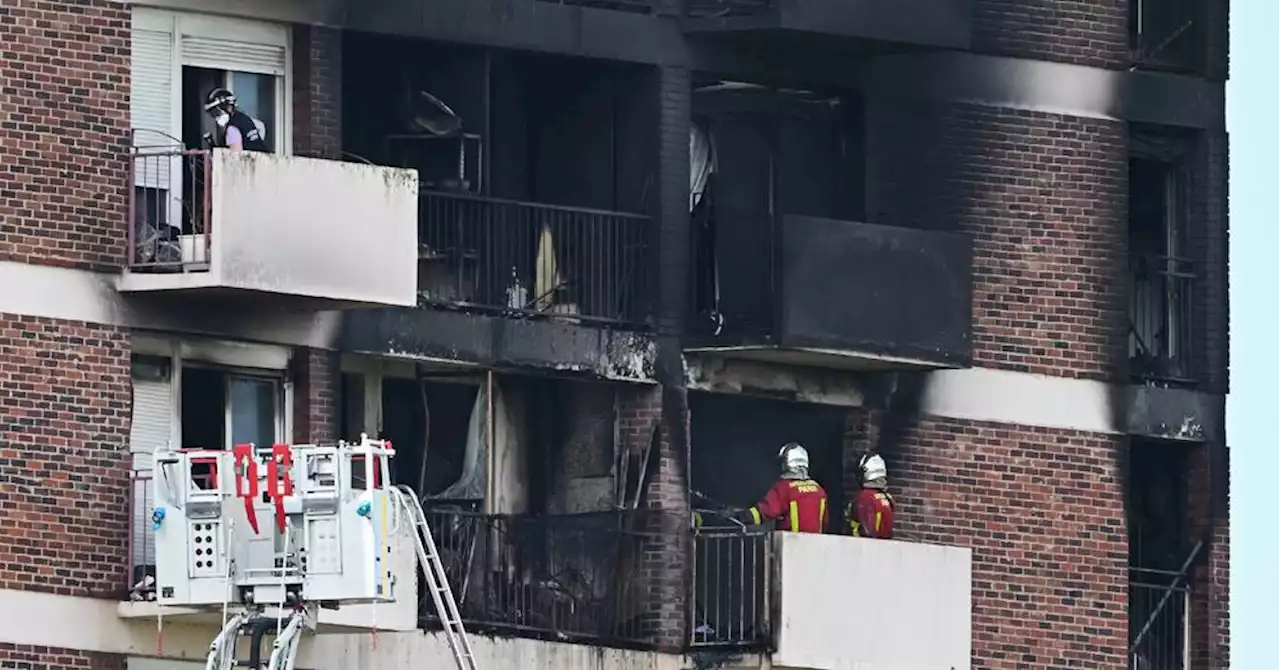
x,y
291,528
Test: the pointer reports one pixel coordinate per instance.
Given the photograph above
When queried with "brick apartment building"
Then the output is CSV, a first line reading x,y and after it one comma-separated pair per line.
x,y
985,238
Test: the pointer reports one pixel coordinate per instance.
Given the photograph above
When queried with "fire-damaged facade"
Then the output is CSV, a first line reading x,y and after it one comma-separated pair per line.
x,y
589,265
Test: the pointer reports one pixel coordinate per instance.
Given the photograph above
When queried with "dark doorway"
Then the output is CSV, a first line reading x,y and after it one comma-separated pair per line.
x,y
735,442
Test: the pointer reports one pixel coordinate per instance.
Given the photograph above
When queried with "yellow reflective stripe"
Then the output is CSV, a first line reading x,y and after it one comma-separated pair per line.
x,y
878,516
795,517
854,525
822,515
755,515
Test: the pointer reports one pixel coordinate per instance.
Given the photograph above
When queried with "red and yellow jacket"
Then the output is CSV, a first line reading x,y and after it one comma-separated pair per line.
x,y
798,505
871,514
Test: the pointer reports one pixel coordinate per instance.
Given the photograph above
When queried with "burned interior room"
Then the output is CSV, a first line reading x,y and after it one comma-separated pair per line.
x,y
536,170
517,476
758,153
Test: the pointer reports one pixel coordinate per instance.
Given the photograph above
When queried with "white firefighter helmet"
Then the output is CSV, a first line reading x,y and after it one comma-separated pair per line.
x,y
873,467
793,457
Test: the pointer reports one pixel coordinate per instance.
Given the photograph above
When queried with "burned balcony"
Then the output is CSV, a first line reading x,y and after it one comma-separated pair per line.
x,y
1160,326
566,577
306,232
833,293
531,259
920,23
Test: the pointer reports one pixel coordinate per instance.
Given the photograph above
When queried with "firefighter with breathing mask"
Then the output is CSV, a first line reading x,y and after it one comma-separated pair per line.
x,y
795,502
236,130
871,512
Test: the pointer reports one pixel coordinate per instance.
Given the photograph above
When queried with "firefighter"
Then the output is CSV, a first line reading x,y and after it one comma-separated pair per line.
x,y
871,512
795,502
236,130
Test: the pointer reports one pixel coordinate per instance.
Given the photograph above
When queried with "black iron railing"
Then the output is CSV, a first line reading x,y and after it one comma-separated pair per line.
x,y
732,598
170,211
1161,304
140,570
634,6
531,258
725,8
571,577
1168,34
1158,609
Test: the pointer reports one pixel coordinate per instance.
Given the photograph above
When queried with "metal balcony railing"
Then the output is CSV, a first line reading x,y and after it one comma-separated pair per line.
x,y
530,258
1161,305
570,577
732,593
169,211
1168,34
633,6
142,544
1158,620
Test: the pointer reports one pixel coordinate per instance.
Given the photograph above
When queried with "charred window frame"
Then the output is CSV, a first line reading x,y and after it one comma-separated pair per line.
x,y
1169,35
1163,263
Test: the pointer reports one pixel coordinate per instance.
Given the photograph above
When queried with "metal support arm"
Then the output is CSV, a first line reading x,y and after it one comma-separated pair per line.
x,y
222,651
285,651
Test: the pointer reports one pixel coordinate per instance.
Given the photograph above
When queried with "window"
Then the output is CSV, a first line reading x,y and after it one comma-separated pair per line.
x,y
1161,276
222,408
257,95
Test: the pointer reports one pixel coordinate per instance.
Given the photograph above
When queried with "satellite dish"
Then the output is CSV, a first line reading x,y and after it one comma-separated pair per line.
x,y
429,114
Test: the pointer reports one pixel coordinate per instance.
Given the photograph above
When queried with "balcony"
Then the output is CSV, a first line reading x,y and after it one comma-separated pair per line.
x,y
919,23
568,578
835,293
1161,303
820,575
791,593
509,282
303,232
529,259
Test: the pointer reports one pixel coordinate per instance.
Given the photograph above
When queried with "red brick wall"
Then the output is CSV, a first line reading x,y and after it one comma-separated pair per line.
x,y
1044,197
25,657
317,91
664,560
316,377
1086,32
64,468
64,123
1043,512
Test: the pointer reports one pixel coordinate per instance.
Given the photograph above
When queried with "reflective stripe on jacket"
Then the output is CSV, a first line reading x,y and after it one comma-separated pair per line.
x,y
798,505
871,514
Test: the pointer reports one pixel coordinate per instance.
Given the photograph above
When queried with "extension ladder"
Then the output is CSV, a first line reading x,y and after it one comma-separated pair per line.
x,y
437,580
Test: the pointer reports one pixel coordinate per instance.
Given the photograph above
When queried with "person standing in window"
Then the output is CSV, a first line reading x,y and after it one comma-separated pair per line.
x,y
236,130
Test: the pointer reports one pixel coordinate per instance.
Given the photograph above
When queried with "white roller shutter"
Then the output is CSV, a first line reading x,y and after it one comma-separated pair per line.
x,y
224,54
152,416
152,103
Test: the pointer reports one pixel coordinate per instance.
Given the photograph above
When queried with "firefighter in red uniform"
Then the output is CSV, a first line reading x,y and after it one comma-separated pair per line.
x,y
795,502
871,512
